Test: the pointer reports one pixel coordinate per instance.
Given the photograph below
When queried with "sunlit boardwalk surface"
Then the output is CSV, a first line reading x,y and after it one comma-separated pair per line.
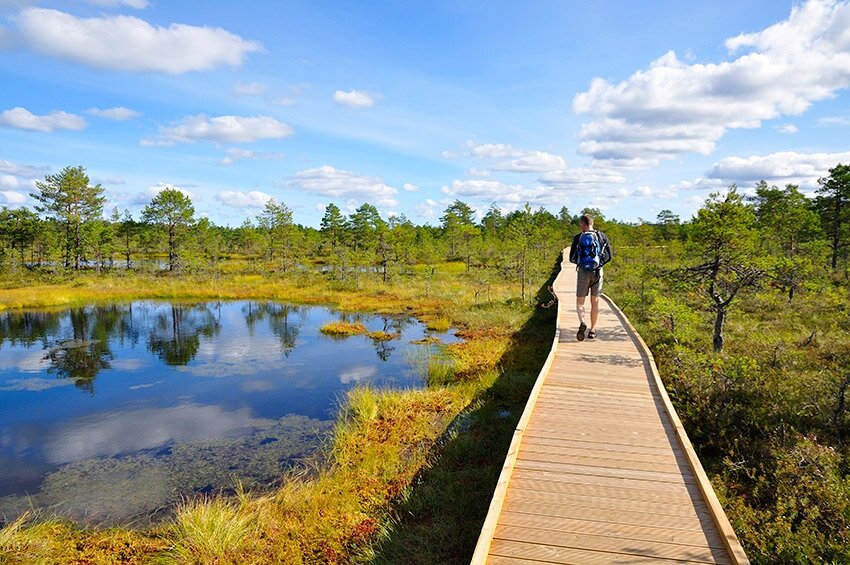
x,y
600,469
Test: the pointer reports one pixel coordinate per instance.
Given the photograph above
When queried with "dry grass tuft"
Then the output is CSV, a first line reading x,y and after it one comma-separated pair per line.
x,y
343,328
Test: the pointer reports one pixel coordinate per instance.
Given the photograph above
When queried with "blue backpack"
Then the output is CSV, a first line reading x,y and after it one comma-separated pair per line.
x,y
589,251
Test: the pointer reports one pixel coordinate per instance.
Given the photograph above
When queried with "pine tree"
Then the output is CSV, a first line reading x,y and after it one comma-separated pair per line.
x,y
69,198
724,238
833,204
173,210
276,221
333,226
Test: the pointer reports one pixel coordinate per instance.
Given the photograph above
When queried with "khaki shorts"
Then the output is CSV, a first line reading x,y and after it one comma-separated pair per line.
x,y
589,282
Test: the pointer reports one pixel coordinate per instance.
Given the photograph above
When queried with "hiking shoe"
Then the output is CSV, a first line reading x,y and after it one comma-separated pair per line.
x,y
591,334
580,334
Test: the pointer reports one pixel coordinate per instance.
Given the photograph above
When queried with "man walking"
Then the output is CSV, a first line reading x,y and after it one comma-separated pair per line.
x,y
590,250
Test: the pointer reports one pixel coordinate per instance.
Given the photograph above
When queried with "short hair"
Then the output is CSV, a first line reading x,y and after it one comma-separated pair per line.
x,y
586,219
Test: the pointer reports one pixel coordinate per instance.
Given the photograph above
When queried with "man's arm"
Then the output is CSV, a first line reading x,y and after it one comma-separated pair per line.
x,y
574,250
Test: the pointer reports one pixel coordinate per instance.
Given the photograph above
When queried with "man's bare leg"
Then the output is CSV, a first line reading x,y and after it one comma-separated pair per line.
x,y
581,312
594,311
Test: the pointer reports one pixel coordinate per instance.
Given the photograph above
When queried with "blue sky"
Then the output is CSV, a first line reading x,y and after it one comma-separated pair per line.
x,y
628,107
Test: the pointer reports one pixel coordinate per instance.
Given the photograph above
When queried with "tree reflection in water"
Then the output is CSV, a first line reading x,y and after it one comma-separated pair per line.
x,y
175,336
28,328
278,316
81,355
155,430
391,326
79,342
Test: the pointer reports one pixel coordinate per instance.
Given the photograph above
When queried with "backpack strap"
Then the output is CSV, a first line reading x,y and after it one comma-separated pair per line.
x,y
604,245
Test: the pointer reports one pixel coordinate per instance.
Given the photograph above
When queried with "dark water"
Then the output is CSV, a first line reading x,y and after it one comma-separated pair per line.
x,y
112,414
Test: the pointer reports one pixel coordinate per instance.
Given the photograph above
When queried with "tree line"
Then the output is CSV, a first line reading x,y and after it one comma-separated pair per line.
x,y
68,230
794,233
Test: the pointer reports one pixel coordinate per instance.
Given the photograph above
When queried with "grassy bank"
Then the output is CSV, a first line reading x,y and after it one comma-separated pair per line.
x,y
406,474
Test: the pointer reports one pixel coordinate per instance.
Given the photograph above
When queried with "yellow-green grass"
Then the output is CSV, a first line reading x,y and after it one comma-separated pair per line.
x,y
439,324
343,328
383,336
36,540
334,512
212,531
371,295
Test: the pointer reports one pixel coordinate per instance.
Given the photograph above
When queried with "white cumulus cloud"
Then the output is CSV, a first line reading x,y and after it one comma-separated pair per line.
x,y
354,99
235,154
21,118
130,44
138,4
249,89
834,121
335,183
119,113
29,171
582,179
9,181
154,190
506,158
221,129
238,199
12,197
491,190
495,151
673,108
784,167
532,162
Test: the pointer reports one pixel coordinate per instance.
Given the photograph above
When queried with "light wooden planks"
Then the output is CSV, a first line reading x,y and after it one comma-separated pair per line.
x,y
600,470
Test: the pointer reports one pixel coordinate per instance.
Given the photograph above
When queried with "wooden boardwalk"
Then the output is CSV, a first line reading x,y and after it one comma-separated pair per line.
x,y
600,469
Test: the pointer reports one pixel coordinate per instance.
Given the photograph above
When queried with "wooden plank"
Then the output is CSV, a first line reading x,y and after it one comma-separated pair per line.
x,y
600,435
571,384
570,418
580,369
588,397
606,481
531,439
623,492
588,452
505,551
609,544
600,409
603,515
640,532
603,449
565,389
665,467
579,469
682,508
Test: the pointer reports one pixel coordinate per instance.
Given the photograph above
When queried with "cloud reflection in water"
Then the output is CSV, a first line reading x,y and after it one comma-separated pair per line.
x,y
104,435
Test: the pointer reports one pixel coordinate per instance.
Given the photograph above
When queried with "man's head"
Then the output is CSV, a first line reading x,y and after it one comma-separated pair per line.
x,y
586,222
